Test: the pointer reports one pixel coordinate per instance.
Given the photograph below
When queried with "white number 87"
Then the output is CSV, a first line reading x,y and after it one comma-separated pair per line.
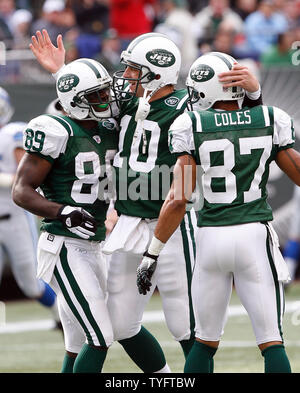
x,y
225,171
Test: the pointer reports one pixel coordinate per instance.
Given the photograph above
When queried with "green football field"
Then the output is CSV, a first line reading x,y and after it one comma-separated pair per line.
x,y
28,344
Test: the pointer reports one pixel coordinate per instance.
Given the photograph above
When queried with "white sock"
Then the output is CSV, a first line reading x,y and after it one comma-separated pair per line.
x,y
166,369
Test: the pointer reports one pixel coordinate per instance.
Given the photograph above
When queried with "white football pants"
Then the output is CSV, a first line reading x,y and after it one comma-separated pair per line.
x,y
172,278
239,254
79,280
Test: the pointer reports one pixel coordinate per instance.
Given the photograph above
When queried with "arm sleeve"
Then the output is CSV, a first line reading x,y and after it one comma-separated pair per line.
x,y
181,138
284,133
55,74
46,137
252,99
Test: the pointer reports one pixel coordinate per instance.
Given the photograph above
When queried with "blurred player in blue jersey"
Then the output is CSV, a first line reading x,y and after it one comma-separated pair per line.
x,y
18,228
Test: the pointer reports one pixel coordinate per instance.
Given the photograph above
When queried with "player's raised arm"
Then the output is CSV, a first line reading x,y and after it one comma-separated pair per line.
x,y
50,57
241,76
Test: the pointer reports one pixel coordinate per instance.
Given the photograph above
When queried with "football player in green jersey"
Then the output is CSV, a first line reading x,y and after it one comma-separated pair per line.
x,y
67,157
231,150
150,103
146,352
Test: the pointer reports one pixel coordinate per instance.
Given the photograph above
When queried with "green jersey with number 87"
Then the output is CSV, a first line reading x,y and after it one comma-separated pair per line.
x,y
234,150
80,159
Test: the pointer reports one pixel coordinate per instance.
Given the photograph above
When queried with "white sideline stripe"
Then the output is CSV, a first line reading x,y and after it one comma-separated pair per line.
x,y
149,316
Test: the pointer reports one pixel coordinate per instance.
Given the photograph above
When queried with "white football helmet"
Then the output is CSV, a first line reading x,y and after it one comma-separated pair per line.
x,y
203,84
156,57
84,90
6,108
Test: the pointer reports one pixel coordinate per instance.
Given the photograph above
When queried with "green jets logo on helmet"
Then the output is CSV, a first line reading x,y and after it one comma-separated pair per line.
x,y
160,58
202,73
67,82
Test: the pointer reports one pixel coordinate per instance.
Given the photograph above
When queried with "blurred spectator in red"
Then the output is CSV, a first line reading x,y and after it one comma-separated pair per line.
x,y
280,54
56,19
92,20
131,18
176,23
262,28
207,21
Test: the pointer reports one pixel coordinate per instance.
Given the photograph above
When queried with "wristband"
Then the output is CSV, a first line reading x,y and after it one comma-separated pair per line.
x,y
254,95
55,75
155,246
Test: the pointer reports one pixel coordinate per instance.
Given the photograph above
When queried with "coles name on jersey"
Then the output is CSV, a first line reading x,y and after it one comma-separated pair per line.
x,y
143,178
79,160
234,150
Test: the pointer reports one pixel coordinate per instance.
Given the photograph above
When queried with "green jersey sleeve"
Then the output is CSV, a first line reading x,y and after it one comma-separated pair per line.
x,y
45,136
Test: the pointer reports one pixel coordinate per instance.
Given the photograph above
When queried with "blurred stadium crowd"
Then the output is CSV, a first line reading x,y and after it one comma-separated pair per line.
x,y
267,32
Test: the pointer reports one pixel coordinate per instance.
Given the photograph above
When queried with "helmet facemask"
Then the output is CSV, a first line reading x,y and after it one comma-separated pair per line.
x,y
194,98
121,84
99,101
84,89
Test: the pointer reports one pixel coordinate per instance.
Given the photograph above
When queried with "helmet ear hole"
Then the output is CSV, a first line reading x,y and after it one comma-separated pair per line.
x,y
202,95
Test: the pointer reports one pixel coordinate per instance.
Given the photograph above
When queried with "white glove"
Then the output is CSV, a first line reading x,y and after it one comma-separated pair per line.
x,y
78,221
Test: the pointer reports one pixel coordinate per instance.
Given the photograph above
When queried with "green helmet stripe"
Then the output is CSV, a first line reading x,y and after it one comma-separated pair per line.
x,y
220,56
136,41
91,65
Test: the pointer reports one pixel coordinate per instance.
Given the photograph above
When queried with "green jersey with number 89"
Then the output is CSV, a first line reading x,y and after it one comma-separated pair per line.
x,y
234,150
80,159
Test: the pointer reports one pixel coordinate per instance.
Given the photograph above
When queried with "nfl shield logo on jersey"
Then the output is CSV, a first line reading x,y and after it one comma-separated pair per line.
x,y
97,138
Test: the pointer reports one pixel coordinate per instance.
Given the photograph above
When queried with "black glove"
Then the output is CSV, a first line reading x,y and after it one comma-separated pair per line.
x,y
145,272
77,221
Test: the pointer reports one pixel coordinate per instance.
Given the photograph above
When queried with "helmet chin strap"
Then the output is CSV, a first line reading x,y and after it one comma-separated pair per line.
x,y
141,115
